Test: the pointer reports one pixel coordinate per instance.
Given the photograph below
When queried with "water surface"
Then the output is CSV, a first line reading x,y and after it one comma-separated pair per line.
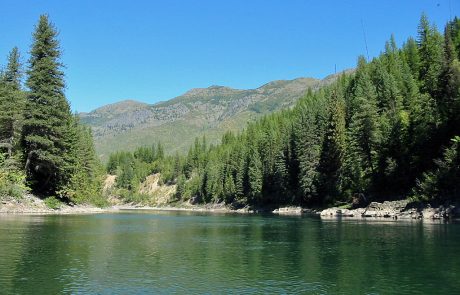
x,y
180,252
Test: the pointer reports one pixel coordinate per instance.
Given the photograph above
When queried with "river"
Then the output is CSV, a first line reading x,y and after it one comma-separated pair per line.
x,y
145,252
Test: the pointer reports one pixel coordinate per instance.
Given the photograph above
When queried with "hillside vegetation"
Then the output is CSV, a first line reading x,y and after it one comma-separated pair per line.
x,y
390,130
204,111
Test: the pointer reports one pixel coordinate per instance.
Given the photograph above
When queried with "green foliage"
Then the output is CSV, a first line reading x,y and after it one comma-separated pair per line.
x,y
129,196
177,122
53,202
38,131
12,101
431,56
12,183
442,183
373,132
181,186
48,134
255,176
332,157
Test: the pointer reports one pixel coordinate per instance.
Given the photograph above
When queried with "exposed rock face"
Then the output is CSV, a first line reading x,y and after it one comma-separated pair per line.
x,y
159,194
395,209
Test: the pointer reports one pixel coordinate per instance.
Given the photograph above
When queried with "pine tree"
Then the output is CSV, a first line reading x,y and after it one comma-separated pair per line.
x,y
255,175
85,183
229,187
455,34
412,57
281,174
363,126
449,82
160,151
442,183
180,188
330,167
125,178
49,134
13,73
11,104
431,56
308,134
241,186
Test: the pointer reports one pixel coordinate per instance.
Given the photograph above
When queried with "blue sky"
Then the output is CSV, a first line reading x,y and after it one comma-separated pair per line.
x,y
156,50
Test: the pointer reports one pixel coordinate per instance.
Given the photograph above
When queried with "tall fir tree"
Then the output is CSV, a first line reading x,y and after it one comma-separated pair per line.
x,y
255,175
431,56
49,133
363,131
330,169
449,82
412,57
308,133
11,104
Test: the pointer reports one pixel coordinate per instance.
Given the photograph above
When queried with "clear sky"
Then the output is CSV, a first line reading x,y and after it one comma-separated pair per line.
x,y
156,50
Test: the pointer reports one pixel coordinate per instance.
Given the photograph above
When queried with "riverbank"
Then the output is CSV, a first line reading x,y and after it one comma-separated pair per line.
x,y
393,210
30,204
402,209
396,210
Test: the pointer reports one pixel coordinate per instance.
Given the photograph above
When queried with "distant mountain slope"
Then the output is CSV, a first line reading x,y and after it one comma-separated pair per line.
x,y
202,111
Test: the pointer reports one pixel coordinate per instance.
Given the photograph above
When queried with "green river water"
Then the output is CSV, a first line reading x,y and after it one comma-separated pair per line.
x,y
152,252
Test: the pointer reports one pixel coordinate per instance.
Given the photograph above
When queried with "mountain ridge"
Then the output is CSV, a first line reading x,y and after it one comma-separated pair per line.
x,y
210,111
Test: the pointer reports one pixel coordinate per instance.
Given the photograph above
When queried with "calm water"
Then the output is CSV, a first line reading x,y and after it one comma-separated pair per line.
x,y
171,252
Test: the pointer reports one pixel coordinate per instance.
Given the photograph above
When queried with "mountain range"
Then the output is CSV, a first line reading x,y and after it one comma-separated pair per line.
x,y
177,122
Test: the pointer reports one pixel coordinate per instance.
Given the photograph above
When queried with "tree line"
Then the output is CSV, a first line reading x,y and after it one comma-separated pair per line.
x,y
390,130
43,147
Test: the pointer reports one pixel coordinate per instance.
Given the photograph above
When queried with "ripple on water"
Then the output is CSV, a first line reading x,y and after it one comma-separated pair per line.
x,y
195,254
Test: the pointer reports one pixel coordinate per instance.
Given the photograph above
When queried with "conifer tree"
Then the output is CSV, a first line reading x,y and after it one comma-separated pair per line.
x,y
412,57
330,167
11,103
255,176
449,82
49,134
85,183
363,125
431,56
308,135
241,175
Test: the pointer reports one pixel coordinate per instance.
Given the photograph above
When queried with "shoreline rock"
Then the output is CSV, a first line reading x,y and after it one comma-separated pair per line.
x,y
288,211
30,204
402,209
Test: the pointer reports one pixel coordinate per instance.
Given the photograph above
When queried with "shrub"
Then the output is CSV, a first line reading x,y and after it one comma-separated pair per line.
x,y
53,203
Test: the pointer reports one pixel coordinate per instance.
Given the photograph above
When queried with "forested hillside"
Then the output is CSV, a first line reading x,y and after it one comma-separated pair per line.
x,y
175,123
390,130
43,148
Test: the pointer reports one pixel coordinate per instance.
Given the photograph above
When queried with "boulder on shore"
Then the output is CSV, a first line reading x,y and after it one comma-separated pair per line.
x,y
402,209
288,210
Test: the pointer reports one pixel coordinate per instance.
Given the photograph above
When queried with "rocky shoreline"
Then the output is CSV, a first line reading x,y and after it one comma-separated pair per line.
x,y
403,209
30,204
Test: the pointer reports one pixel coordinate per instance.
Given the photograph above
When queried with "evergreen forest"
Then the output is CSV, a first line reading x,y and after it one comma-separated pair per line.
x,y
389,130
44,148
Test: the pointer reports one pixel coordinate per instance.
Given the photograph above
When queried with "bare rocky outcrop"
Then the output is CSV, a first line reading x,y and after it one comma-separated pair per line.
x,y
159,194
30,204
402,209
288,211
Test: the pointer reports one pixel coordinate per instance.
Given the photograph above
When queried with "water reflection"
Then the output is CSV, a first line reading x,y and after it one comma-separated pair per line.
x,y
166,252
